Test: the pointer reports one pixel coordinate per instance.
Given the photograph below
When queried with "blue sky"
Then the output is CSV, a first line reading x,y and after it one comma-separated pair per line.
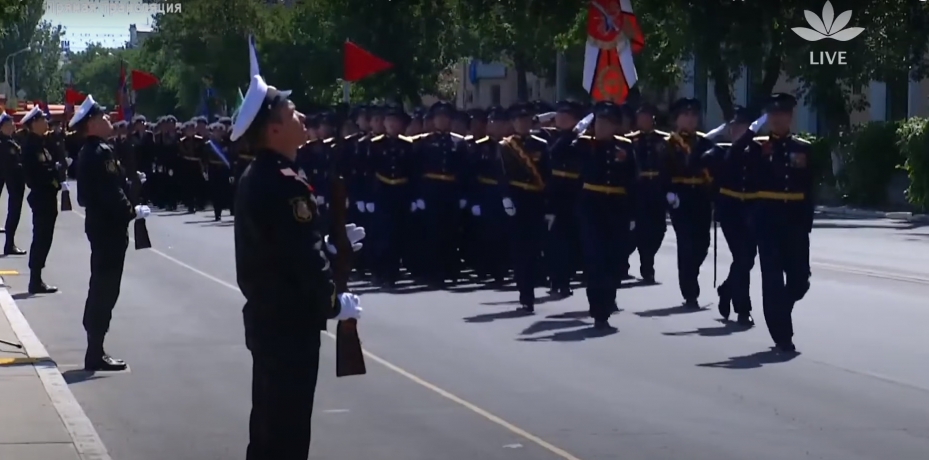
x,y
97,21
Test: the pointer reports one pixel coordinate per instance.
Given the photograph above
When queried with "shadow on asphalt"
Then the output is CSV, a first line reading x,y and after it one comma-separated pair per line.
x,y
549,325
576,335
73,376
754,360
491,317
725,328
670,311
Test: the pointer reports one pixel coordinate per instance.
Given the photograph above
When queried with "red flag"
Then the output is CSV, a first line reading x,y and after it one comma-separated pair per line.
x,y
73,97
360,63
142,80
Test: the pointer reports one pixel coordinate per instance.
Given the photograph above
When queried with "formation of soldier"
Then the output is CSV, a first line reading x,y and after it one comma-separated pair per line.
x,y
543,194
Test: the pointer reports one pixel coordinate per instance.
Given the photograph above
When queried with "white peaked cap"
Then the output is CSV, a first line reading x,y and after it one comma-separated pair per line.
x,y
84,110
36,111
257,95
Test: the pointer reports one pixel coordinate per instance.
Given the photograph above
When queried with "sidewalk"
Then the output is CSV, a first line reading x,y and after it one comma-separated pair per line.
x,y
846,211
39,417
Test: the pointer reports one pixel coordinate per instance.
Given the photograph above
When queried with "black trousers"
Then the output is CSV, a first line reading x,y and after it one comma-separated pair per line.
x,y
44,206
283,389
107,259
16,189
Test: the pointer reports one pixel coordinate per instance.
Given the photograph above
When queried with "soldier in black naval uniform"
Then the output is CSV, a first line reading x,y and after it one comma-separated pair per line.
x,y
484,198
782,215
525,173
41,171
219,170
391,157
11,169
283,272
654,182
733,178
104,194
690,197
605,208
563,242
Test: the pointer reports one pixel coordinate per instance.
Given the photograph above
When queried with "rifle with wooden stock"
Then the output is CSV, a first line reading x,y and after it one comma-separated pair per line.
x,y
140,230
349,355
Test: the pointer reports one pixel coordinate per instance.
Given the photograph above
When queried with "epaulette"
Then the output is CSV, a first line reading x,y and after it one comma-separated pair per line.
x,y
542,140
406,138
482,140
761,138
622,138
585,137
699,134
377,138
661,133
458,136
469,138
633,134
800,140
352,136
724,144
328,140
549,128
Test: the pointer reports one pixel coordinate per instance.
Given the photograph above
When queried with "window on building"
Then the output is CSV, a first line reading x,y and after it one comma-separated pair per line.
x,y
494,94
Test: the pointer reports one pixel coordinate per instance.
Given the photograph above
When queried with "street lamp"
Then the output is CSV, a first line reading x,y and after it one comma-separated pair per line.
x,y
7,73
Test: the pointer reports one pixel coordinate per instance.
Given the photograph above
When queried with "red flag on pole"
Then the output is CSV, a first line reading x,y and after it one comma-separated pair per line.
x,y
142,80
360,63
73,97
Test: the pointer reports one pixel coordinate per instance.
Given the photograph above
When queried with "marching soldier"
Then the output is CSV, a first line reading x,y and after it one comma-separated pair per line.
x,y
104,194
525,170
732,175
563,239
782,215
415,127
485,197
218,174
41,171
652,157
605,208
442,156
11,167
193,173
277,236
167,157
391,156
690,197
142,141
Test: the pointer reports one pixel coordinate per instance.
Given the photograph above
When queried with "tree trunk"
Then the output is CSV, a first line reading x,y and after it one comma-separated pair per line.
x,y
771,72
722,88
522,84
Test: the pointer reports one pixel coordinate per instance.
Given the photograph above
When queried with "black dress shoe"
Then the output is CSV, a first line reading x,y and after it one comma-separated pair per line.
x,y
2,230
602,324
650,279
13,251
745,319
527,308
105,363
725,302
42,288
786,347
691,303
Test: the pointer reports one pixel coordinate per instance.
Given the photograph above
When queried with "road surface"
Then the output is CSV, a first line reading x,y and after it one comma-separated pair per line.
x,y
458,376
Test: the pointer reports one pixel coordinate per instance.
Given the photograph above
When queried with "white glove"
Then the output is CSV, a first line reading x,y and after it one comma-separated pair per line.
x,y
142,177
413,207
509,207
354,233
462,203
142,211
206,176
170,172
69,161
550,220
351,307
320,200
759,123
231,180
631,225
369,207
64,187
673,200
475,210
346,202
420,204
361,206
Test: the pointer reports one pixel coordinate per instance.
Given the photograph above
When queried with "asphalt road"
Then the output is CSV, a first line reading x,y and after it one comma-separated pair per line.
x,y
457,376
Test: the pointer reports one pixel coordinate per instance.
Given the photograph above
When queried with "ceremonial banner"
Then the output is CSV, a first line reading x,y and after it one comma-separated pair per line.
x,y
359,63
613,36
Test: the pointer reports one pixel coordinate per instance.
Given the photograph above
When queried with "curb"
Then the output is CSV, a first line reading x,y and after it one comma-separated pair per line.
x,y
86,441
845,211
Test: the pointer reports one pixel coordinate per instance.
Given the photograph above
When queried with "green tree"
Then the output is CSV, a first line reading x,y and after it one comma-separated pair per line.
x,y
96,71
41,75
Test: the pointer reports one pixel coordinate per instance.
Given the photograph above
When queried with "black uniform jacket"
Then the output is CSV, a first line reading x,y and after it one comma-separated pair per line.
x,y
103,190
281,263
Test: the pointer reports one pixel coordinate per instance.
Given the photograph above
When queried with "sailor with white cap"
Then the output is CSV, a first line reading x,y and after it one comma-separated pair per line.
x,y
11,168
104,194
283,272
41,172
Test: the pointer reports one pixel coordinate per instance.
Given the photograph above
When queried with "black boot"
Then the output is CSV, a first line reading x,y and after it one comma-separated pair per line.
x,y
725,301
10,249
37,286
95,359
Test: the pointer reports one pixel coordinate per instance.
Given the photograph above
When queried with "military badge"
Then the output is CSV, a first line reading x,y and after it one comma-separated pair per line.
x,y
111,166
302,210
798,160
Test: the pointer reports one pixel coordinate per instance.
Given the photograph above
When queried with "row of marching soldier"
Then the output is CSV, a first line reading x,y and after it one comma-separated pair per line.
x,y
519,191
